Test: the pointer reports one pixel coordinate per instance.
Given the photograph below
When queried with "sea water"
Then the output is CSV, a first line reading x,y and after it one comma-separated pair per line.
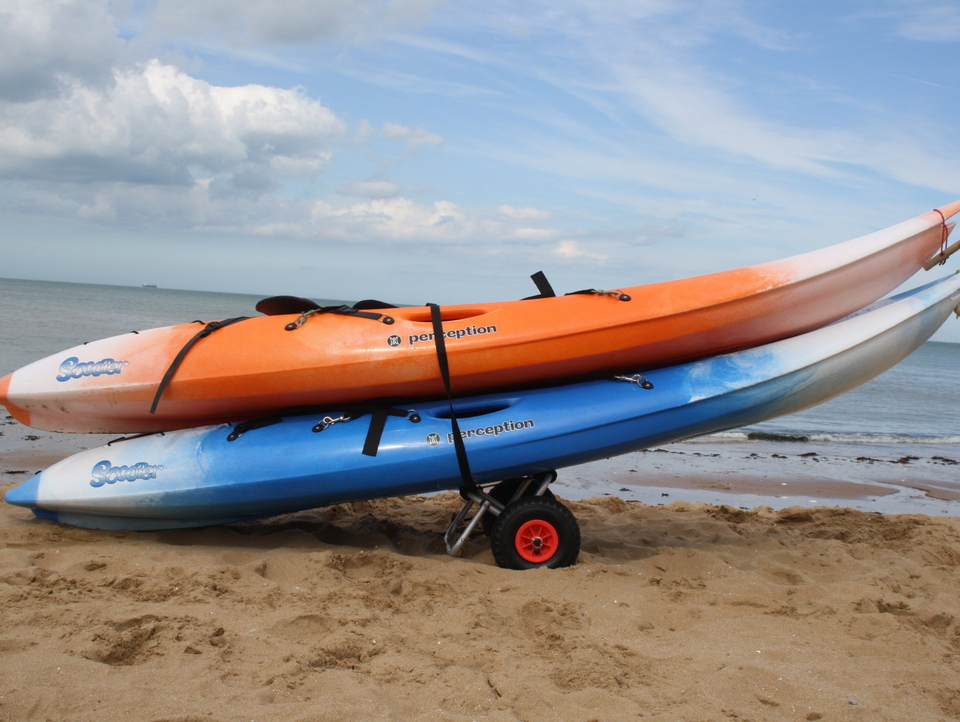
x,y
917,401
910,414
40,318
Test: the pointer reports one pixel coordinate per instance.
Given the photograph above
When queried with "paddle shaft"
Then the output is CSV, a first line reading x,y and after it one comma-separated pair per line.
x,y
941,257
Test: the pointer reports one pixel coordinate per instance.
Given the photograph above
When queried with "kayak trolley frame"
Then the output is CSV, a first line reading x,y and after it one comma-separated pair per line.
x,y
527,526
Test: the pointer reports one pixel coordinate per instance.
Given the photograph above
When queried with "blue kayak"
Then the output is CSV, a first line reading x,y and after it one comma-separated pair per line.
x,y
231,472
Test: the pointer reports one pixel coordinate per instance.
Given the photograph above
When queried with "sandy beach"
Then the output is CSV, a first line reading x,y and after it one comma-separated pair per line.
x,y
684,611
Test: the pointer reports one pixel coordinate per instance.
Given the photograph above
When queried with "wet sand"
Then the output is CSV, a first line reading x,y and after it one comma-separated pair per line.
x,y
918,479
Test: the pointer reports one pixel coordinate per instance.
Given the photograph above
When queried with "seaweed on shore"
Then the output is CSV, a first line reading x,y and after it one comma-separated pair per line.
x,y
767,436
905,459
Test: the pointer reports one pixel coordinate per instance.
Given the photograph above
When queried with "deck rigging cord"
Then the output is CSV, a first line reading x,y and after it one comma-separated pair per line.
x,y
178,359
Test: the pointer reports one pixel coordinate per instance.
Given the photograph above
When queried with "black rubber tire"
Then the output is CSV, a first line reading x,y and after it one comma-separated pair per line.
x,y
503,492
503,538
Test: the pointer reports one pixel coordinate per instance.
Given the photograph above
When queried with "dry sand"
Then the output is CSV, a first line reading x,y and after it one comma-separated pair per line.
x,y
677,612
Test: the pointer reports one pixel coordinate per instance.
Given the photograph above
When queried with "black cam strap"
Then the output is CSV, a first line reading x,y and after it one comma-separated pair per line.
x,y
207,330
543,285
468,483
378,419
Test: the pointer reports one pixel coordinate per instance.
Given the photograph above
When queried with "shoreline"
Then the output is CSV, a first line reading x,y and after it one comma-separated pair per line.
x,y
747,475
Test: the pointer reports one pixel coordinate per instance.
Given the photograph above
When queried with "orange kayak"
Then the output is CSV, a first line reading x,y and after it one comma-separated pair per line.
x,y
267,363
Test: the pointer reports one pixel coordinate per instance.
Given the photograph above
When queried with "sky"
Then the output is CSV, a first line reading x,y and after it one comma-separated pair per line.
x,y
414,150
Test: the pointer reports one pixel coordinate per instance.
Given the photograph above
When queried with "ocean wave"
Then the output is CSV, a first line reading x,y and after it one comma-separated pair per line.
x,y
822,437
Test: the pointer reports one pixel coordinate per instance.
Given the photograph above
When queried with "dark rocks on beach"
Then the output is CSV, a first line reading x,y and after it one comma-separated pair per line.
x,y
808,454
944,460
16,471
868,459
905,459
777,456
30,437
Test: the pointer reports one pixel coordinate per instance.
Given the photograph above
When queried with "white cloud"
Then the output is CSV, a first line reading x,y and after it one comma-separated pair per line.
x,y
202,204
667,96
97,138
46,46
370,189
156,124
934,23
395,80
395,221
534,234
415,138
204,208
523,213
570,251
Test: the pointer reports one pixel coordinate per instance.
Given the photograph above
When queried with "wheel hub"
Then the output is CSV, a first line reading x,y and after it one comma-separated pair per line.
x,y
537,541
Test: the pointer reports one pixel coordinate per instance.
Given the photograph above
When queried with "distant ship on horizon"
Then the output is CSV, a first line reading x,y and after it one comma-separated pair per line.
x,y
148,285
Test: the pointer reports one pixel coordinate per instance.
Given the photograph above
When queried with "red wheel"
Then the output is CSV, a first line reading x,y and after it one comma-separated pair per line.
x,y
535,532
537,541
